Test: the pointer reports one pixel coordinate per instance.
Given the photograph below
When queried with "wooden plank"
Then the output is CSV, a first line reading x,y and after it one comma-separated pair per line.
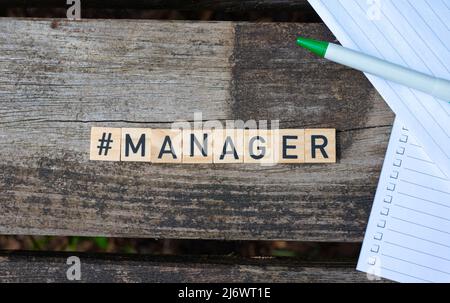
x,y
227,6
52,267
59,78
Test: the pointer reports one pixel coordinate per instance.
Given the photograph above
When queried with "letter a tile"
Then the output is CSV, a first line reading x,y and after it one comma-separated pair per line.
x,y
228,145
166,146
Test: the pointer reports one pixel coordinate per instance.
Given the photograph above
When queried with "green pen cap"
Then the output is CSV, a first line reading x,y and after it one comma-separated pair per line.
x,y
317,47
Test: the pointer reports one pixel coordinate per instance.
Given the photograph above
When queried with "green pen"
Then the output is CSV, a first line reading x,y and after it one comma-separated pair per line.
x,y
437,87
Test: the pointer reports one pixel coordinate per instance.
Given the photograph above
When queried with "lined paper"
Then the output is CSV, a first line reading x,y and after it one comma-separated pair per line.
x,y
408,235
412,33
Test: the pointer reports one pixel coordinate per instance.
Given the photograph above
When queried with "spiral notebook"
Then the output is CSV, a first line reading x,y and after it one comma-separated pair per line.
x,y
408,235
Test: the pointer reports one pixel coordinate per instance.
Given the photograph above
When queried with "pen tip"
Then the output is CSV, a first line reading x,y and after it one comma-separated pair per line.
x,y
300,41
317,47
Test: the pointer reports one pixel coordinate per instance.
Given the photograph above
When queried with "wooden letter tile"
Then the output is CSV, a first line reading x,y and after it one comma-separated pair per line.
x,y
320,145
166,146
258,146
197,146
105,144
135,144
228,145
289,145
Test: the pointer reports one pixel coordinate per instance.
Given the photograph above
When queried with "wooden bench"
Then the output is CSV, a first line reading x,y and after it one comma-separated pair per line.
x,y
58,78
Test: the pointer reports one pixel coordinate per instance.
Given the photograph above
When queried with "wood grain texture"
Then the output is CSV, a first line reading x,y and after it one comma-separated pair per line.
x,y
227,5
59,78
51,267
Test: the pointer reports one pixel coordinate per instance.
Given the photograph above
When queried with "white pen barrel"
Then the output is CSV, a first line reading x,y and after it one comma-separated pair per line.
x,y
441,89
437,87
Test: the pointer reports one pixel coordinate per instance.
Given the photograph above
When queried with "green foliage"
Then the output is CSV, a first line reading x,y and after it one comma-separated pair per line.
x,y
283,253
39,243
128,249
101,242
73,243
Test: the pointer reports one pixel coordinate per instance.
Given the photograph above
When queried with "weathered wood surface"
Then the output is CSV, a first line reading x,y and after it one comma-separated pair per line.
x,y
59,78
227,5
52,267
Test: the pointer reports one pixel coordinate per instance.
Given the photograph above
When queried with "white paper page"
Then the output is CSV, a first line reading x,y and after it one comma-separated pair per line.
x,y
414,33
408,235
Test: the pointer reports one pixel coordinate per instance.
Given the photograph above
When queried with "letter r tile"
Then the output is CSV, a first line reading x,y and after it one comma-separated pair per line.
x,y
320,146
